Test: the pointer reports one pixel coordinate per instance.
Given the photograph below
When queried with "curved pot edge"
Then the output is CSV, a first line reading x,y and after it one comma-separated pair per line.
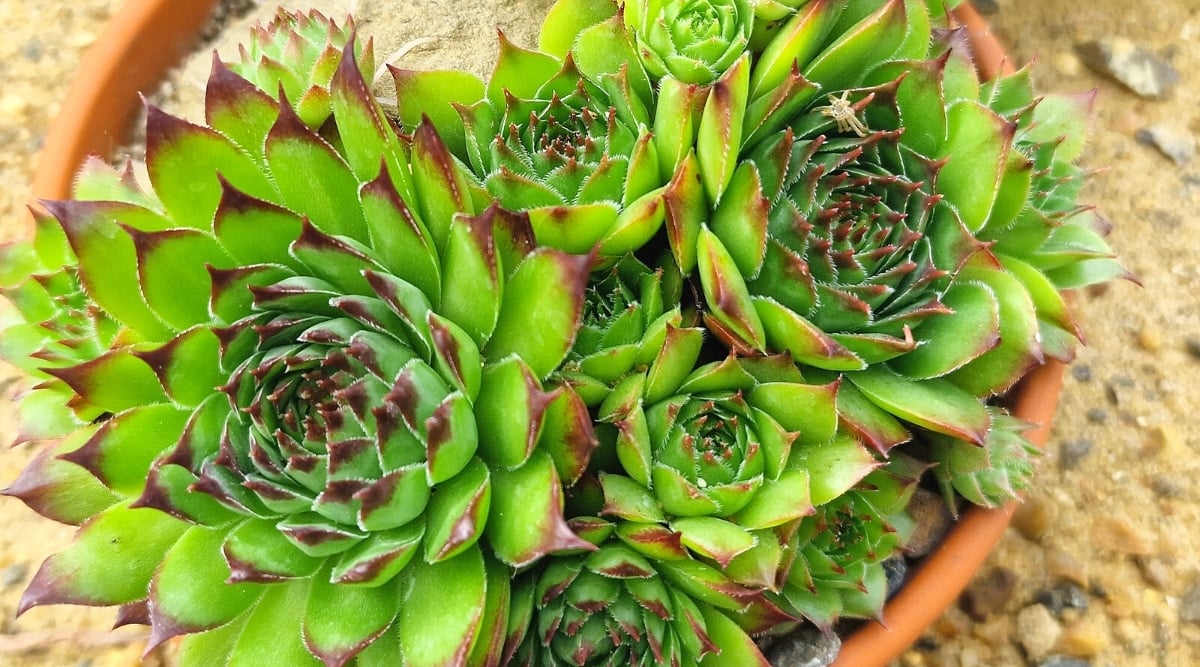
x,y
144,40
148,37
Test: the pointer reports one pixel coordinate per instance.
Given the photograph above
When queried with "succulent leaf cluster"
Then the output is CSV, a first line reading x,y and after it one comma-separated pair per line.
x,y
608,359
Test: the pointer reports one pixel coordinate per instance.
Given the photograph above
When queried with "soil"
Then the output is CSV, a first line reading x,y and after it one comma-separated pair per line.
x,y
1101,564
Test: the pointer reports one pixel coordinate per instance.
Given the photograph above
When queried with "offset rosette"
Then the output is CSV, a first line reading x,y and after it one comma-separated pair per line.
x,y
323,392
572,151
618,606
840,550
627,309
298,54
692,41
989,475
711,466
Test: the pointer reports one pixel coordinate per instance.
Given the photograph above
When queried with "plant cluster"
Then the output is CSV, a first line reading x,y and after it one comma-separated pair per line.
x,y
609,359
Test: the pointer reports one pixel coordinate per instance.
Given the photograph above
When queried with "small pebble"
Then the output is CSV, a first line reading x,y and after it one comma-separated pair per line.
x,y
1097,415
896,568
1115,534
806,647
1083,372
1166,485
1149,338
1086,639
1118,389
995,632
1139,70
912,658
1165,440
932,519
1065,566
1156,570
13,575
1193,346
1189,605
1035,517
1071,452
1175,143
1063,661
1037,631
988,593
1066,595
1068,63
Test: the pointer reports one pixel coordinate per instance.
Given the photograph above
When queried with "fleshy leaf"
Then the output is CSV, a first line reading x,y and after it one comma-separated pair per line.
x,y
190,593
340,621
443,610
110,561
935,404
527,522
541,310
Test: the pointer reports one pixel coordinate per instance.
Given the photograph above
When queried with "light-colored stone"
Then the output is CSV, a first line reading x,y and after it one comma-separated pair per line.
x,y
1037,631
1036,515
1131,64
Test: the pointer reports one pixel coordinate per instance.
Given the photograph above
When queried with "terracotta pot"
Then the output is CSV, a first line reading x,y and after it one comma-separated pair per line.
x,y
149,36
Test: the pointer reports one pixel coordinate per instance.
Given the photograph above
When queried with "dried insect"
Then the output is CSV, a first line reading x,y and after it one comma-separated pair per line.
x,y
841,110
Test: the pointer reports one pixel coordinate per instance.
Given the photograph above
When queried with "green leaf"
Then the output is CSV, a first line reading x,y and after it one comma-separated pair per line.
x,y
509,412
541,310
190,593
120,453
188,367
808,409
575,229
313,178
382,556
629,500
528,522
1018,350
110,561
272,633
794,45
113,382
804,341
737,648
402,242
675,361
59,490
566,19
457,513
471,278
108,259
340,621
432,95
937,404
778,501
173,273
369,143
977,145
872,40
520,72
719,134
714,538
947,342
184,160
833,467
726,294
443,610
256,551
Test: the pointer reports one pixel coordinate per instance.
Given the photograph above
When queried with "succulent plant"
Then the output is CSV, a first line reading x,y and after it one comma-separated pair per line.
x,y
603,360
299,409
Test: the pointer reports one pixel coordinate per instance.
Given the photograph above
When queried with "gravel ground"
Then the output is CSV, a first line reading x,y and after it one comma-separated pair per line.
x,y
1100,568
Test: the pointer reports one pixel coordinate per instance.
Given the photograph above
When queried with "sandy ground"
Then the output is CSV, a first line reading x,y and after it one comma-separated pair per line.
x,y
1102,566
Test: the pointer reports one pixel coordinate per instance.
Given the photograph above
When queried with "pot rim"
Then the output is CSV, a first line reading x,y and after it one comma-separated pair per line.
x,y
149,37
